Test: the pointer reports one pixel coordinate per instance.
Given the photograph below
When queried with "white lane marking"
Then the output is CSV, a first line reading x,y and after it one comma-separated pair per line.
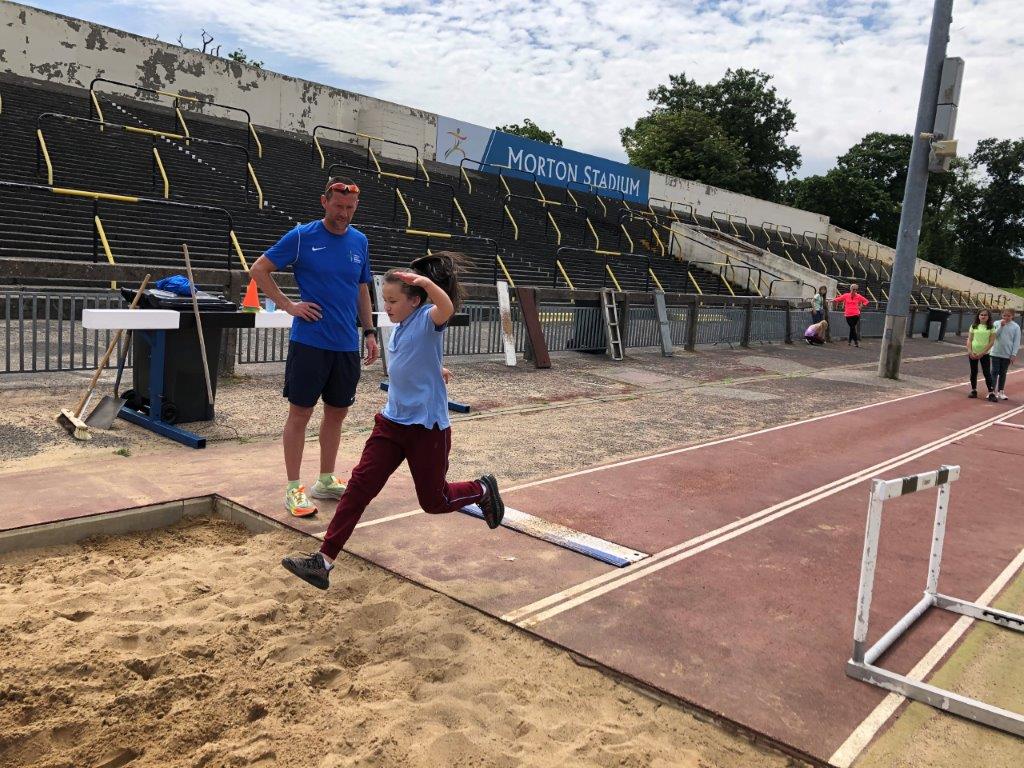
x,y
873,723
583,592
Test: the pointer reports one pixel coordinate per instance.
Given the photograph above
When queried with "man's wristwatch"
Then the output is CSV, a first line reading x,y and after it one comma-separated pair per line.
x,y
368,331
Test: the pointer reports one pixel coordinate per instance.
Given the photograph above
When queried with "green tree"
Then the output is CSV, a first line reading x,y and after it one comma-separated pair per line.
x,y
242,58
690,145
747,109
991,228
530,130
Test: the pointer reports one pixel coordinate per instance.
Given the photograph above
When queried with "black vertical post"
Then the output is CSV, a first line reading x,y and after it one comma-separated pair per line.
x,y
748,321
691,326
95,233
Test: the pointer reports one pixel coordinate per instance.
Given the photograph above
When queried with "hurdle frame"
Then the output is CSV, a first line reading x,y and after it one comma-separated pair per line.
x,y
862,664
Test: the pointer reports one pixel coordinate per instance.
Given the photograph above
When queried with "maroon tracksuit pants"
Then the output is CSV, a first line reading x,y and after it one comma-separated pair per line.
x,y
426,450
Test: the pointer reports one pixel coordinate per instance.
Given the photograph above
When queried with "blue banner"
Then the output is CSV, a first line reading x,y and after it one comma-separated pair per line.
x,y
525,159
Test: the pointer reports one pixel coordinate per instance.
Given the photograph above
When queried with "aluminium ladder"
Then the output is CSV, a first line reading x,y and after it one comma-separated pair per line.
x,y
611,323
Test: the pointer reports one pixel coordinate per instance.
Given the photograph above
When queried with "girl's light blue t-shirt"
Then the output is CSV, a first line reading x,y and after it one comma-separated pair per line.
x,y
416,392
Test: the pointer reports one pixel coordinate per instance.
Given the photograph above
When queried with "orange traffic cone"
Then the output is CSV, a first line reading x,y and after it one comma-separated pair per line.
x,y
251,302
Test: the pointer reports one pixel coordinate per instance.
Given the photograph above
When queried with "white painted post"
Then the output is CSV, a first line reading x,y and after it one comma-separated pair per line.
x,y
383,330
508,337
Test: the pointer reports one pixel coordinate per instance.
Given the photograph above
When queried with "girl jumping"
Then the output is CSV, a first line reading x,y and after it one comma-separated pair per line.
x,y
414,424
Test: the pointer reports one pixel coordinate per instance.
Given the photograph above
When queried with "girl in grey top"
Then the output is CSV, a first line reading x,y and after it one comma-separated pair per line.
x,y
1005,350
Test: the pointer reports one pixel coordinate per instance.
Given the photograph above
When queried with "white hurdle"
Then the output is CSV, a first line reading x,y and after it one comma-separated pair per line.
x,y
862,665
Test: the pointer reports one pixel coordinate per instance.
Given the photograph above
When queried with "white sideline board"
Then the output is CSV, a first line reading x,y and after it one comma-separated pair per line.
x,y
165,319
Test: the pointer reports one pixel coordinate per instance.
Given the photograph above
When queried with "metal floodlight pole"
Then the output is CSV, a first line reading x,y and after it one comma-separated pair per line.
x,y
902,281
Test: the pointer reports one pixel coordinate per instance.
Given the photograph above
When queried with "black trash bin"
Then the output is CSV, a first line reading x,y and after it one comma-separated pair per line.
x,y
940,316
184,397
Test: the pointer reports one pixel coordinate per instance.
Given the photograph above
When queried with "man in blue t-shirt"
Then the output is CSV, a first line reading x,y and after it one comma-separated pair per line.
x,y
331,263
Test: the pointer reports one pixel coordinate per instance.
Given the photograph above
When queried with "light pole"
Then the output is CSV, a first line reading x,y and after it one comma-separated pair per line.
x,y
902,281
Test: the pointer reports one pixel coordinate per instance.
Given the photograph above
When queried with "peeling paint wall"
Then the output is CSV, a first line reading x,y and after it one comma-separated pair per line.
x,y
60,49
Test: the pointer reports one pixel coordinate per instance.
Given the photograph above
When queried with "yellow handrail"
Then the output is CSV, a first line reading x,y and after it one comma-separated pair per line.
x,y
256,183
885,294
408,214
871,294
368,136
151,132
505,185
630,239
238,249
603,206
572,197
181,119
658,240
465,221
696,285
425,233
726,284
93,195
316,142
836,265
373,156
106,246
543,200
259,144
558,232
46,156
163,173
565,275
174,95
423,168
504,270
597,240
657,282
513,220
96,103
614,278
469,184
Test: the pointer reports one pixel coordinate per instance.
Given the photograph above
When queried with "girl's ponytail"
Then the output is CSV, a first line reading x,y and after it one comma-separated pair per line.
x,y
443,268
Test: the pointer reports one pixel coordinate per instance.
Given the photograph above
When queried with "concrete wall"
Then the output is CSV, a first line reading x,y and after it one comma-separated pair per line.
x,y
60,49
941,276
707,199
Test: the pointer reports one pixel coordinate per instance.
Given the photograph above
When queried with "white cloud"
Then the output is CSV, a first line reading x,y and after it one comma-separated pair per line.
x,y
584,68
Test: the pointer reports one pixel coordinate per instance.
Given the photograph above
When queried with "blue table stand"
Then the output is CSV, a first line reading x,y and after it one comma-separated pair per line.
x,y
157,340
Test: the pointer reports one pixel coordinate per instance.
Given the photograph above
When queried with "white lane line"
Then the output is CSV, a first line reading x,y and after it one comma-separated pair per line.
x,y
733,438
687,449
873,723
586,591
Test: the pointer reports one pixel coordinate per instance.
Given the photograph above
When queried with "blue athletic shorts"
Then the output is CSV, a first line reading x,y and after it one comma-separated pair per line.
x,y
311,373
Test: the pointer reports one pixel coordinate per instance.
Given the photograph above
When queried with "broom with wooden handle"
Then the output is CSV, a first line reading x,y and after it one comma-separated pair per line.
x,y
199,329
72,420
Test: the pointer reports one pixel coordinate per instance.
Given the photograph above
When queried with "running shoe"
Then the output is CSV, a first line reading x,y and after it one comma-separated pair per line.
x,y
974,393
1002,396
297,503
331,490
310,568
992,397
491,504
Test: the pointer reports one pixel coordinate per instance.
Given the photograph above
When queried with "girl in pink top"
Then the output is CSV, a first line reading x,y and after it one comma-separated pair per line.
x,y
852,302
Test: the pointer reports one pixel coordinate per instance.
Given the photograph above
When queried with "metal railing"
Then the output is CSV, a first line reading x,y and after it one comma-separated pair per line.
x,y
42,152
180,123
233,248
370,155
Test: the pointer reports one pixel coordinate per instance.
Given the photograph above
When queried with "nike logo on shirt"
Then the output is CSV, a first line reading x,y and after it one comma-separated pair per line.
x,y
320,248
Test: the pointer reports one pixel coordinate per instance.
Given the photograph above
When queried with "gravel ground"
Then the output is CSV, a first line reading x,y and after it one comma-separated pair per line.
x,y
524,422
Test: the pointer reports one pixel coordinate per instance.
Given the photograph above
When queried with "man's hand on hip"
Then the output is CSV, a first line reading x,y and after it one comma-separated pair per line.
x,y
305,310
372,350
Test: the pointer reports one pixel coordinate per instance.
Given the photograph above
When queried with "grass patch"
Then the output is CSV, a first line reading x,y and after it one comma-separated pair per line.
x,y
1016,291
123,452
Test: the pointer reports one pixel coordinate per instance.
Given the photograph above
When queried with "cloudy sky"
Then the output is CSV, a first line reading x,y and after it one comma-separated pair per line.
x,y
584,68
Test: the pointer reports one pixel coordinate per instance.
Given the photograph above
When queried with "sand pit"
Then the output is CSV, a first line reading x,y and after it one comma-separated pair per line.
x,y
190,646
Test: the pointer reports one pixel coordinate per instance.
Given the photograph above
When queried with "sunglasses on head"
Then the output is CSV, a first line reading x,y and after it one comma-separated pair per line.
x,y
345,189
